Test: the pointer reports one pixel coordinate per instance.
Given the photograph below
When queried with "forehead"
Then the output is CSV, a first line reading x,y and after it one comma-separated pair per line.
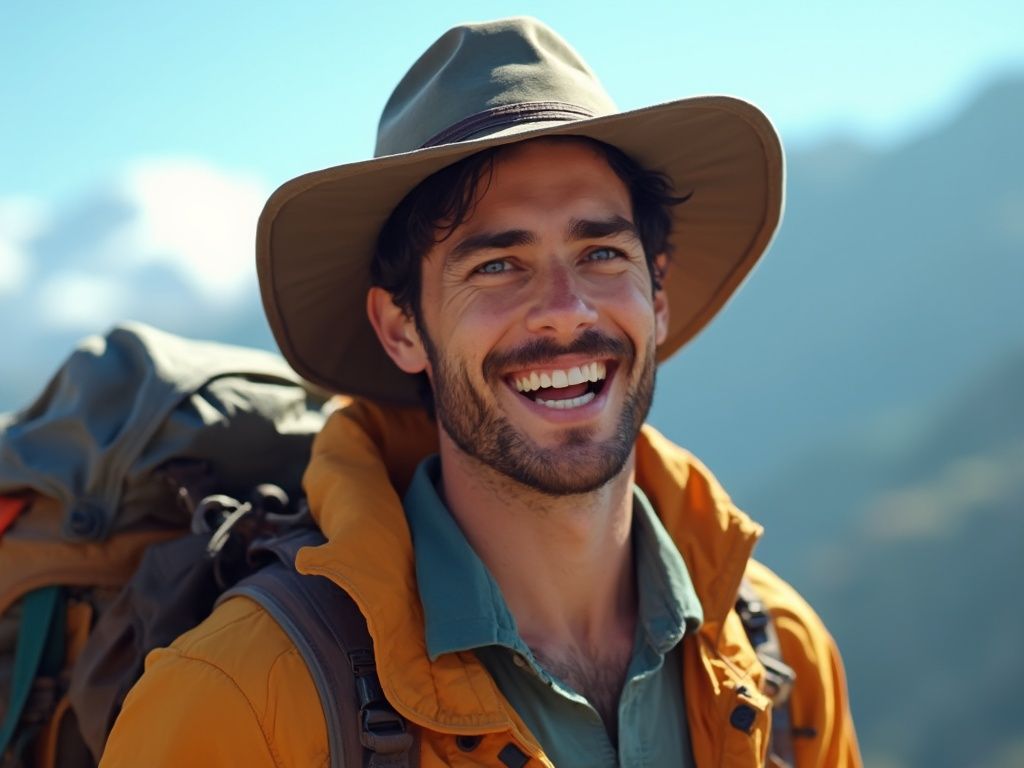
x,y
551,174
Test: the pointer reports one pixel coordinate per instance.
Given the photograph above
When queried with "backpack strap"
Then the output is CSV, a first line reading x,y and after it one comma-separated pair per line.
x,y
779,676
39,653
330,632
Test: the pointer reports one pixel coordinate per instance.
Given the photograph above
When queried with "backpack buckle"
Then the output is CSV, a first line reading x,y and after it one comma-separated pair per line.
x,y
778,679
383,731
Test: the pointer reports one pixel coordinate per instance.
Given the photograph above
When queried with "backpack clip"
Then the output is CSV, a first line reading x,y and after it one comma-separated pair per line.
x,y
382,730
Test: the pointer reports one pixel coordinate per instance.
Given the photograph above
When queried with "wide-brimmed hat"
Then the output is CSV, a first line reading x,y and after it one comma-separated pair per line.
x,y
479,86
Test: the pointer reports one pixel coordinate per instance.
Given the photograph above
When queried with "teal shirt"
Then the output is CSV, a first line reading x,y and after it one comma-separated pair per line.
x,y
465,611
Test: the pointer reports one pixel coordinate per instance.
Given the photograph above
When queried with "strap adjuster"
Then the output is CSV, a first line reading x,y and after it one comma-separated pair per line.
x,y
383,731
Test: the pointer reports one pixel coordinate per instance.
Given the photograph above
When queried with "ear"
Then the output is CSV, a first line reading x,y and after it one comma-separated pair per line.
x,y
661,309
396,331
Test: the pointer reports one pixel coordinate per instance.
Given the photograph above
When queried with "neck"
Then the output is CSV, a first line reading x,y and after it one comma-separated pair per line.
x,y
564,563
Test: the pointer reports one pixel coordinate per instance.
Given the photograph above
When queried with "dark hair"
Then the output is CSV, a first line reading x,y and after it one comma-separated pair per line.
x,y
441,203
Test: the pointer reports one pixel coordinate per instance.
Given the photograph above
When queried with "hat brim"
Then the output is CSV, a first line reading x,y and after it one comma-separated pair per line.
x,y
317,233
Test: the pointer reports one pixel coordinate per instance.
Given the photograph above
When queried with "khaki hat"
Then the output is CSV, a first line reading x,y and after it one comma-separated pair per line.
x,y
479,86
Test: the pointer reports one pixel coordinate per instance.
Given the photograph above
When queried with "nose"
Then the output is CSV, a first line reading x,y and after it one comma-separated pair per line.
x,y
560,307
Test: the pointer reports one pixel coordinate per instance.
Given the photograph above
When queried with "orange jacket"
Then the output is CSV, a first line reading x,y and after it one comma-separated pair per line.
x,y
234,691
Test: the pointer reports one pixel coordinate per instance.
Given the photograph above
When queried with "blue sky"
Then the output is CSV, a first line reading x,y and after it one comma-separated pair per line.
x,y
275,89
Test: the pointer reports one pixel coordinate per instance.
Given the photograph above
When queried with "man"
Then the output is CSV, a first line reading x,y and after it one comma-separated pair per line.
x,y
559,585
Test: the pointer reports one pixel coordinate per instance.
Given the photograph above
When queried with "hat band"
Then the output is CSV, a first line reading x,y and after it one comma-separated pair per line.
x,y
508,114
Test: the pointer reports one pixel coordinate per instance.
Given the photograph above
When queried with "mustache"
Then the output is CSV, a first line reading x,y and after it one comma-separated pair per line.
x,y
538,351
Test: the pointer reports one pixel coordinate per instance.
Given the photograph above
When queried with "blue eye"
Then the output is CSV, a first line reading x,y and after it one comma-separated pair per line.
x,y
493,267
604,254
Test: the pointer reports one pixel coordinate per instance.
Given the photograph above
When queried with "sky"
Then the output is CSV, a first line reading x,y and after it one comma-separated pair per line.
x,y
276,89
140,140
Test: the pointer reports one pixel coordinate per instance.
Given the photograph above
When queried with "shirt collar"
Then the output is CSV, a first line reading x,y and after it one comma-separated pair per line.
x,y
669,606
463,606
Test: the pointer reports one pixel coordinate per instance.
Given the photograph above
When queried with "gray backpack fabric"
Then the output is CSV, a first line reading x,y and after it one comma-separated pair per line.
x,y
124,405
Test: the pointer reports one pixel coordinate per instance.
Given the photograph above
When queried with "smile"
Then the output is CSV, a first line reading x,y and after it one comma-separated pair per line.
x,y
562,389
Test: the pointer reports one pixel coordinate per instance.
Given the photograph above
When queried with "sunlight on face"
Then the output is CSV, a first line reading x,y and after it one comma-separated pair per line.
x,y
540,322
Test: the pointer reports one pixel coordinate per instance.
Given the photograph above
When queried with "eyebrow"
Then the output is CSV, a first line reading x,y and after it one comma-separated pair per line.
x,y
486,241
589,229
579,229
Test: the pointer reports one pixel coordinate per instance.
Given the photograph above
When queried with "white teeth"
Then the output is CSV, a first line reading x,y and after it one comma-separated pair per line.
x,y
561,405
560,379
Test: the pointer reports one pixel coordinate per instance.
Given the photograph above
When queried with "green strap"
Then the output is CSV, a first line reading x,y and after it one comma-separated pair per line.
x,y
38,609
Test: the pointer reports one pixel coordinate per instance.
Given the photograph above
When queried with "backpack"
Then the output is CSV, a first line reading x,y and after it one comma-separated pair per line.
x,y
779,676
153,478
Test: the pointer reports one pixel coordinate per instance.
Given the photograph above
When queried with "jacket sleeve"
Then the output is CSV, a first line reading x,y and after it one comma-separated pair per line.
x,y
824,735
186,711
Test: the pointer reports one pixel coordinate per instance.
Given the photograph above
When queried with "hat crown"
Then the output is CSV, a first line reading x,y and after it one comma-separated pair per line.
x,y
491,68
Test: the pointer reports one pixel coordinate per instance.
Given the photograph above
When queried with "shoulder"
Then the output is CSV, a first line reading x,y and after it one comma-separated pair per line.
x,y
819,706
804,631
240,638
231,691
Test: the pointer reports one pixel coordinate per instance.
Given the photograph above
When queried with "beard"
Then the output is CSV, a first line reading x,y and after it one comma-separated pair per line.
x,y
579,464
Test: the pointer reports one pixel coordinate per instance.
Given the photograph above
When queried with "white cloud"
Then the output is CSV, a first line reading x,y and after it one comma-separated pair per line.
x,y
78,301
199,220
21,220
169,241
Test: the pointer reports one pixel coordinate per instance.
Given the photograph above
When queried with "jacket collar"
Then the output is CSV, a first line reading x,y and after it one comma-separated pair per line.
x,y
369,554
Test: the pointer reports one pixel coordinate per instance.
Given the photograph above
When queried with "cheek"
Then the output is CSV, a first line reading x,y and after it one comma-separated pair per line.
x,y
471,323
633,309
482,305
630,301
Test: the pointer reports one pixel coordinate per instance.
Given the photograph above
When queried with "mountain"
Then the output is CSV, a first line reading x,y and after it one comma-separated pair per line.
x,y
895,275
911,552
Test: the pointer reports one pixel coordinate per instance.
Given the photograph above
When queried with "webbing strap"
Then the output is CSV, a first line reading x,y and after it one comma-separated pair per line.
x,y
330,632
779,676
38,609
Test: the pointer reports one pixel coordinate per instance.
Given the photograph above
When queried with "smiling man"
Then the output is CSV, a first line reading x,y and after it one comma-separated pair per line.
x,y
547,303
560,585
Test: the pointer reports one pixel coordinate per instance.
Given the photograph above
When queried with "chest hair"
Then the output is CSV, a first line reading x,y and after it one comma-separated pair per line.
x,y
599,681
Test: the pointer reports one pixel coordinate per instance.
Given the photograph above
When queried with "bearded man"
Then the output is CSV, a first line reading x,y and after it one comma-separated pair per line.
x,y
560,585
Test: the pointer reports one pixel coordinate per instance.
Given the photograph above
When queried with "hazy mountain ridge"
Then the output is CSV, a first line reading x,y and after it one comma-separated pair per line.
x,y
864,399
891,280
835,488
920,589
